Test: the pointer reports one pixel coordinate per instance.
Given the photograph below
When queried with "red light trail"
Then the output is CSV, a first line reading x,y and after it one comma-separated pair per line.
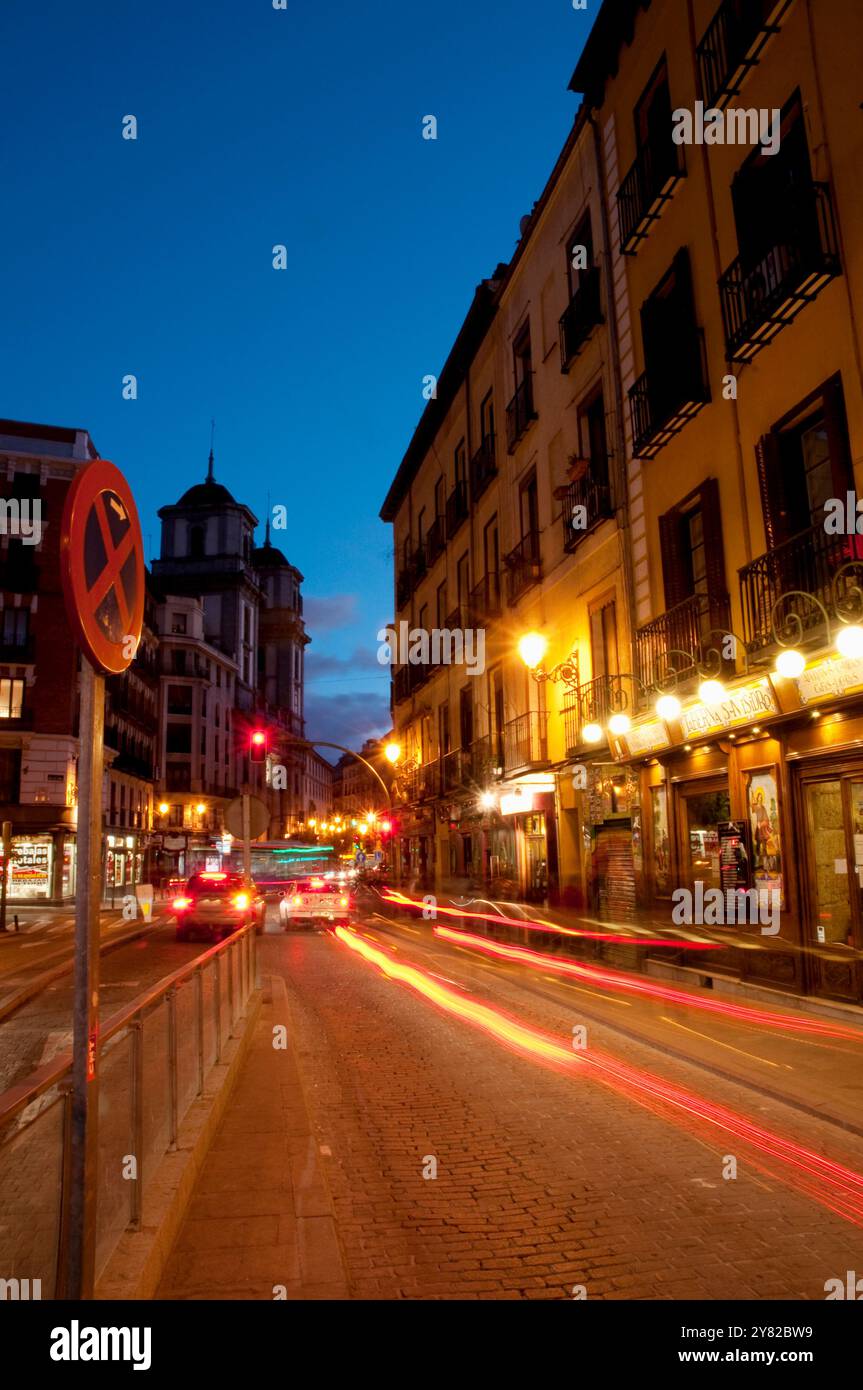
x,y
614,980
399,900
834,1186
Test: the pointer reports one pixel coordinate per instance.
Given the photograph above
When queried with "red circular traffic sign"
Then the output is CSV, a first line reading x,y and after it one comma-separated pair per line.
x,y
102,566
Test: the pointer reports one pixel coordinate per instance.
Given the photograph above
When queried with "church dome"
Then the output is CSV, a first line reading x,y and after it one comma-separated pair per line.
x,y
208,494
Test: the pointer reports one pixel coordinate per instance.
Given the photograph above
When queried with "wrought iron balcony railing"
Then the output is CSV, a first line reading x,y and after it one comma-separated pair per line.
x,y
525,742
762,297
485,600
668,395
524,566
646,188
595,500
451,765
483,467
807,562
519,413
684,628
580,317
456,508
733,43
435,540
404,586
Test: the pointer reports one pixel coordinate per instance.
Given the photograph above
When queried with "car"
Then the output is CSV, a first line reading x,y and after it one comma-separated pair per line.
x,y
315,900
216,904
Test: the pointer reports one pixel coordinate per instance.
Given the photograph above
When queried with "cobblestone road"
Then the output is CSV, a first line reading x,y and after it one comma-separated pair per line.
x,y
545,1181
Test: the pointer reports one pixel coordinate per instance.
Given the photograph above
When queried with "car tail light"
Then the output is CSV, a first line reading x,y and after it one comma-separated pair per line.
x,y
241,900
317,883
297,900
214,877
179,903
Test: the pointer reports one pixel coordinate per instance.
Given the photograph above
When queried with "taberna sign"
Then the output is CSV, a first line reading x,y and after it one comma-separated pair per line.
x,y
741,706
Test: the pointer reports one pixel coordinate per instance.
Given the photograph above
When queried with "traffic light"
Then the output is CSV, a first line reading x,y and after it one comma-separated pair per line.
x,y
386,827
258,746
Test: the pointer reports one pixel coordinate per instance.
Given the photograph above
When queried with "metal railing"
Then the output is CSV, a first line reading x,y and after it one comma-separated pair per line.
x,y
523,565
668,394
732,44
683,628
595,498
760,298
525,741
435,540
581,315
456,508
154,1056
646,188
483,467
485,600
520,412
807,562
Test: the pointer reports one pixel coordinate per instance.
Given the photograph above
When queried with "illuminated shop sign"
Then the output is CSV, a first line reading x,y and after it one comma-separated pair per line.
x,y
645,738
741,706
513,803
837,675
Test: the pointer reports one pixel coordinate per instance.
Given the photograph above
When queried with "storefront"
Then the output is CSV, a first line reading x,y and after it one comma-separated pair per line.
x,y
522,845
41,865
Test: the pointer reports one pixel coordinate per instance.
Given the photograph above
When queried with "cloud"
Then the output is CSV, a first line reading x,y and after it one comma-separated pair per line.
x,y
347,719
323,667
327,614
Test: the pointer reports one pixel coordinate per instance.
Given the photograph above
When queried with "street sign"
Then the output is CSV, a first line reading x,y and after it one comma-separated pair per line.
x,y
259,817
102,566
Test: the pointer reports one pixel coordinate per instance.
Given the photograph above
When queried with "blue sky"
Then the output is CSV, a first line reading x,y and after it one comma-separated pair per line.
x,y
154,257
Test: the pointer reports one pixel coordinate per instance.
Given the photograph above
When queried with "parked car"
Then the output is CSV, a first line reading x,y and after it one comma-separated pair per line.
x,y
312,900
216,904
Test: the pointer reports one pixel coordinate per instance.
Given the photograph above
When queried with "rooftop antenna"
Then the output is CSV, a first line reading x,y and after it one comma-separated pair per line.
x,y
210,461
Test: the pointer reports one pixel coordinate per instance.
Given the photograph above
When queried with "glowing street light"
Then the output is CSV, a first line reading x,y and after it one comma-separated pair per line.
x,y
392,752
532,648
668,707
164,808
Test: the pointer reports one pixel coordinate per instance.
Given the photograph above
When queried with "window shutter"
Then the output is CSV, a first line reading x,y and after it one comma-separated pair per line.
x,y
714,551
771,486
836,423
674,574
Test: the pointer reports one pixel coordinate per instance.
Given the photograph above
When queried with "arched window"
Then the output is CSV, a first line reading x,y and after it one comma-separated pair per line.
x,y
196,542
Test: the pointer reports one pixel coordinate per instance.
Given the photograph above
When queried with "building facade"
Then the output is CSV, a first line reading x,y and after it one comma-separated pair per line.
x,y
691,709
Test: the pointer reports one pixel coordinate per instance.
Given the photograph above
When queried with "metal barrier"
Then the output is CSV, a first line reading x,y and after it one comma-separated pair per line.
x,y
154,1056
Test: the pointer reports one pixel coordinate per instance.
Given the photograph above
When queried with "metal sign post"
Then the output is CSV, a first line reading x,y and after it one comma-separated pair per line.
x,y
7,859
102,569
85,1019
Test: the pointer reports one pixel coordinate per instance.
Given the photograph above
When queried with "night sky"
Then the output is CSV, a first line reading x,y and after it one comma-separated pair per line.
x,y
154,257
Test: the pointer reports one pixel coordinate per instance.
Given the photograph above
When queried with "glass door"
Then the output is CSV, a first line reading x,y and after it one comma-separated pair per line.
x,y
833,822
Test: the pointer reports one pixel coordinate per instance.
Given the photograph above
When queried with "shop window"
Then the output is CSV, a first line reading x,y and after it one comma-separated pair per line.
x,y
804,460
11,699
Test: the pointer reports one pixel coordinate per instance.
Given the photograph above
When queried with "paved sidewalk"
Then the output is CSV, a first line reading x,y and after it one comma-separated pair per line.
x,y
260,1223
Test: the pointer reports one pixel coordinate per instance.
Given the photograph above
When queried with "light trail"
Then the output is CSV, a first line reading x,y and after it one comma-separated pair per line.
x,y
675,943
615,980
832,1185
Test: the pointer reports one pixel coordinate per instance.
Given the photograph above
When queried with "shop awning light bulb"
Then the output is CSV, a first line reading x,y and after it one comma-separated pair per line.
x,y
592,733
619,724
532,648
850,641
668,707
710,691
790,664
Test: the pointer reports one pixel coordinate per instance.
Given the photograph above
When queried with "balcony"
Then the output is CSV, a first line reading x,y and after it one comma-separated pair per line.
x,y
485,761
18,653
595,498
525,743
428,779
807,562
580,317
761,299
645,190
524,566
519,413
683,628
451,770
668,395
733,44
485,600
418,564
483,467
435,540
404,586
456,508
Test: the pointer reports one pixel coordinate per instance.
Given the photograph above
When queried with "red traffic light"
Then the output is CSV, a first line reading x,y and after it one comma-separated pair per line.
x,y
258,746
386,827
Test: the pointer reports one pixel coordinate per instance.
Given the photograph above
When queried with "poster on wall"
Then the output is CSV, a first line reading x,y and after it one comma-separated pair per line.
x,y
30,875
661,845
762,800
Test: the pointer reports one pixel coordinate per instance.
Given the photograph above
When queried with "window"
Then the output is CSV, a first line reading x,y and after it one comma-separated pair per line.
x,y
772,193
459,462
802,461
462,580
522,356
693,564
491,547
11,699
178,623
178,738
653,122
179,699
528,505
465,716
421,526
439,498
443,730
10,775
603,641
441,605
179,663
591,427
16,627
486,418
581,237
196,543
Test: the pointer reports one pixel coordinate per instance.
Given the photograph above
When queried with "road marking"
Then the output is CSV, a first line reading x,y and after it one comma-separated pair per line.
x,y
740,1050
581,990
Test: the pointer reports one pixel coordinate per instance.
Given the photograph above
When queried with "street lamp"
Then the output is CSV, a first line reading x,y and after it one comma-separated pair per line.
x,y
164,808
532,648
392,752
